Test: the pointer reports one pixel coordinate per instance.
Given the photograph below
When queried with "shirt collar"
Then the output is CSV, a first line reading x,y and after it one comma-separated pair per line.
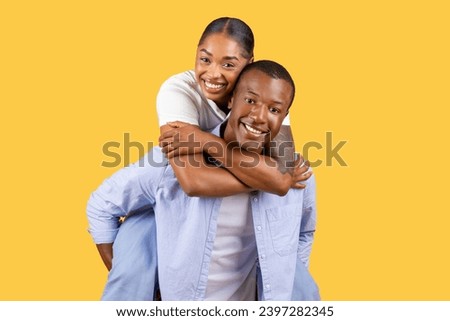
x,y
220,129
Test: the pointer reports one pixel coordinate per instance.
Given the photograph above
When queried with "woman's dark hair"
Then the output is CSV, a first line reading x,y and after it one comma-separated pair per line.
x,y
236,29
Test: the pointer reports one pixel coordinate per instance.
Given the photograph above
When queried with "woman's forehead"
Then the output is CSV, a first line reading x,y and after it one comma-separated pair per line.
x,y
221,43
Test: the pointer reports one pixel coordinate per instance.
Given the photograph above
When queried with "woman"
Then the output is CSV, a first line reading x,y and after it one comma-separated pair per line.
x,y
199,98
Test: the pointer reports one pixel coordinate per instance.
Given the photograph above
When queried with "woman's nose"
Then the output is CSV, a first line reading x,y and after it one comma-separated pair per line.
x,y
214,71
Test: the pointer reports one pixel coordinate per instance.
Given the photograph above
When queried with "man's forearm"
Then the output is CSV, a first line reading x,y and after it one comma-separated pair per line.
x,y
106,253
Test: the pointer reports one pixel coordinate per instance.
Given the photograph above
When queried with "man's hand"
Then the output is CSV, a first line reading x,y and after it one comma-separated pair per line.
x,y
182,139
301,172
106,252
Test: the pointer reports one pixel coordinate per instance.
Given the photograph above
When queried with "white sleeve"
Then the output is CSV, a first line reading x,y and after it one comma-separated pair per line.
x,y
287,120
176,102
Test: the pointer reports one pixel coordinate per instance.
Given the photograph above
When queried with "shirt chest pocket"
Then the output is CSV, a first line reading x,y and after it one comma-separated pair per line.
x,y
284,225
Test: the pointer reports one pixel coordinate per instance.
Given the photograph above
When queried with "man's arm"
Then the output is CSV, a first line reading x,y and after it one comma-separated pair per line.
x,y
106,253
308,223
129,189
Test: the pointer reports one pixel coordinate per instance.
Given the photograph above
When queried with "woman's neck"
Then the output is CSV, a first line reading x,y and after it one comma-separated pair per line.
x,y
223,106
225,109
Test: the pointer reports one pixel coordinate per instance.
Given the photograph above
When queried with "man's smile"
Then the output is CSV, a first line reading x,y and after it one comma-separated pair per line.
x,y
255,130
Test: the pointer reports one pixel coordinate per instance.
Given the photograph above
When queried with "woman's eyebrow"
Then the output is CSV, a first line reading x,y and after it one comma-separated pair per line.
x,y
230,58
206,52
224,58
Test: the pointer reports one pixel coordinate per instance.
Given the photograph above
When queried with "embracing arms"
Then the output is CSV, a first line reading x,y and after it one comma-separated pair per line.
x,y
241,170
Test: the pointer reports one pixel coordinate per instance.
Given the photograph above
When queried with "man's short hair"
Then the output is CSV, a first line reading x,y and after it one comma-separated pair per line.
x,y
273,70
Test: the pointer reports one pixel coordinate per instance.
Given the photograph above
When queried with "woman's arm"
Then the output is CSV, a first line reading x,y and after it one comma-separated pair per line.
x,y
202,179
271,174
196,176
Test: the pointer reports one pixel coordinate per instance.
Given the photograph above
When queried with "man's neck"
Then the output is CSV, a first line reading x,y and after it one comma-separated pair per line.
x,y
223,126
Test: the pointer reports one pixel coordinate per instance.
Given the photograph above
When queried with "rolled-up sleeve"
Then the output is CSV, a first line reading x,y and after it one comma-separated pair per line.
x,y
128,190
308,223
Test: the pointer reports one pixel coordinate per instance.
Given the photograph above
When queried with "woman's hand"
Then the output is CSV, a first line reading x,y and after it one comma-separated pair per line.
x,y
182,139
301,172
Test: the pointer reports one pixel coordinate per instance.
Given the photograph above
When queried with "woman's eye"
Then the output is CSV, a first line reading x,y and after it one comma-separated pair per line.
x,y
206,60
228,65
249,101
274,110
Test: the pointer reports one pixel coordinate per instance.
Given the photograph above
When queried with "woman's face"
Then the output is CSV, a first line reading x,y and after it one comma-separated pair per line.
x,y
218,63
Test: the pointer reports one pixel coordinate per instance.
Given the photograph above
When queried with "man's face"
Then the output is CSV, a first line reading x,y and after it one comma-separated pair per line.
x,y
258,108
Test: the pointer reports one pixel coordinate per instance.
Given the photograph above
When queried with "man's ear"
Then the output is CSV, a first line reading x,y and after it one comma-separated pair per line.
x,y
230,102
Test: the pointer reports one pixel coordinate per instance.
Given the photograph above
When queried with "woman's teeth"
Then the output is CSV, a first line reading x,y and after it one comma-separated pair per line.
x,y
213,86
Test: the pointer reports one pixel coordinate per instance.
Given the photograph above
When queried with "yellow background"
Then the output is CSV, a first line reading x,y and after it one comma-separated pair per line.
x,y
77,74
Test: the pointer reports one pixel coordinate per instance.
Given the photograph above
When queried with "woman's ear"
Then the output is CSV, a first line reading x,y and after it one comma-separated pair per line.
x,y
251,60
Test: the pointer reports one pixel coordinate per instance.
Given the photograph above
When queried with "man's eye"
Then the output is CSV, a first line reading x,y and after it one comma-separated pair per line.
x,y
274,110
205,60
249,101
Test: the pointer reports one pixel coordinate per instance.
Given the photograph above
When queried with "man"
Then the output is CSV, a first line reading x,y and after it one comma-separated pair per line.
x,y
223,248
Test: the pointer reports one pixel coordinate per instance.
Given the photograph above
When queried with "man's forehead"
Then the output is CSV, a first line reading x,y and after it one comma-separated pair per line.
x,y
252,73
254,79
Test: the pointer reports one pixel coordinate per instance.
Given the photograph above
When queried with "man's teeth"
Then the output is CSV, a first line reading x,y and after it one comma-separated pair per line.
x,y
213,86
253,130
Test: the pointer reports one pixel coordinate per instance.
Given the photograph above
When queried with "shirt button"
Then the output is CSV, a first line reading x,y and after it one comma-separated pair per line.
x,y
259,228
267,286
263,257
255,200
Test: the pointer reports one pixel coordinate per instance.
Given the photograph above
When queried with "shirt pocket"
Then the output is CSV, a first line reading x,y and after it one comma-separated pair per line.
x,y
284,225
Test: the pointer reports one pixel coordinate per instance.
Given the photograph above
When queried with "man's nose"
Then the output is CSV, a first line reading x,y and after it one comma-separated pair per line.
x,y
259,113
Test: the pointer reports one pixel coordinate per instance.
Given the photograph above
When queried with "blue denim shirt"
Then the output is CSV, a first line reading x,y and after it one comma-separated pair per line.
x,y
186,229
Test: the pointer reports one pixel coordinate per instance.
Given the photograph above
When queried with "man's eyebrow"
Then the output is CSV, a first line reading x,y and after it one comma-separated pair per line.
x,y
224,58
250,91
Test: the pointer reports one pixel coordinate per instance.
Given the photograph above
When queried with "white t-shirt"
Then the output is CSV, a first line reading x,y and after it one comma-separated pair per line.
x,y
180,98
232,271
